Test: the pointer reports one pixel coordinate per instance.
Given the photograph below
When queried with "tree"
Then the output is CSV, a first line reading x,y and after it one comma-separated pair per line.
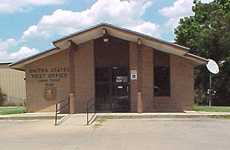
x,y
207,33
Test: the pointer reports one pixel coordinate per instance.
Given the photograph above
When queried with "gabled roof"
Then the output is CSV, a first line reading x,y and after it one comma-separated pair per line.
x,y
122,33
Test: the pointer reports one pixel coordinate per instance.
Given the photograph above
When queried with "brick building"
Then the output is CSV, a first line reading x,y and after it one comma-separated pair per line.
x,y
117,69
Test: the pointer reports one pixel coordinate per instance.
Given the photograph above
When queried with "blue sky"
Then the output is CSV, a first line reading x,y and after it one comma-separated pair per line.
x,y
29,26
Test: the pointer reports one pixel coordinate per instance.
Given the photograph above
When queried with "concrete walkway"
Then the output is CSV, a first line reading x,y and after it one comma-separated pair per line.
x,y
28,116
80,119
188,114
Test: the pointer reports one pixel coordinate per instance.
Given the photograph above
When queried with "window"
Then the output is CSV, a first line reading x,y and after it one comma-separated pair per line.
x,y
161,74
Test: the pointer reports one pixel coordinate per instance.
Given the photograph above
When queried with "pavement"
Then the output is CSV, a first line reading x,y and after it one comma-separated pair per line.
x,y
113,134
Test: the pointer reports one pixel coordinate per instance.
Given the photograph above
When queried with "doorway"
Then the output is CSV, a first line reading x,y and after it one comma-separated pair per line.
x,y
111,75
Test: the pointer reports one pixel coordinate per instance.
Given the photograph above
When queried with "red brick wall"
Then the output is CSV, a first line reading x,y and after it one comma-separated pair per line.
x,y
84,71
35,88
181,75
182,82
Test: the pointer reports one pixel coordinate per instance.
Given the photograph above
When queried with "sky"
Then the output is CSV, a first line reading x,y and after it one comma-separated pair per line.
x,y
28,27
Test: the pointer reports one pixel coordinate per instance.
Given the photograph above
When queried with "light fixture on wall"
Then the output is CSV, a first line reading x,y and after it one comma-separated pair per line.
x,y
139,42
115,67
105,35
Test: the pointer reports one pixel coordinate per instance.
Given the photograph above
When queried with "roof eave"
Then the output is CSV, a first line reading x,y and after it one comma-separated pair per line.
x,y
19,65
197,59
134,33
132,36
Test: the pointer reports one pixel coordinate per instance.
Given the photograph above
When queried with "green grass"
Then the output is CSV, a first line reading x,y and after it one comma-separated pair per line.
x,y
212,108
221,117
12,110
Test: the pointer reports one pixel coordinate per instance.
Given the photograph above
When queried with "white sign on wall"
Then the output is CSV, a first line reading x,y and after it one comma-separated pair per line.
x,y
133,74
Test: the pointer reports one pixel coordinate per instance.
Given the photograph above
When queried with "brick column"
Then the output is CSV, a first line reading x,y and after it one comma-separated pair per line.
x,y
133,65
147,78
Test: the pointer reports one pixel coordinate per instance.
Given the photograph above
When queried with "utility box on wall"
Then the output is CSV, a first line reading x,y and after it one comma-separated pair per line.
x,y
133,74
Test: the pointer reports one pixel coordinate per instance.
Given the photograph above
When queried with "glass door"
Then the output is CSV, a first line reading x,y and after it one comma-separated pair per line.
x,y
102,85
112,89
120,89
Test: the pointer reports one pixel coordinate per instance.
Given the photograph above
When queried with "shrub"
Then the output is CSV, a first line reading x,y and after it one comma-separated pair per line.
x,y
2,97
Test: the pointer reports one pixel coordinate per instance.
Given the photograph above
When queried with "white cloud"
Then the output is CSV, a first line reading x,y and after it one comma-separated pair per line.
x,y
148,28
206,1
22,53
7,56
125,13
179,9
7,44
10,6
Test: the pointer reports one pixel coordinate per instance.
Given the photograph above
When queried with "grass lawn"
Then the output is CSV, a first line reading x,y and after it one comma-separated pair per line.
x,y
212,108
12,110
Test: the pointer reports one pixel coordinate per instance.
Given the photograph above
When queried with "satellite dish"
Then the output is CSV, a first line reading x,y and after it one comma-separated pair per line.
x,y
212,66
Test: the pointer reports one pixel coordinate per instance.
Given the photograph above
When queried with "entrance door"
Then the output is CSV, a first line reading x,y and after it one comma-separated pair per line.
x,y
112,89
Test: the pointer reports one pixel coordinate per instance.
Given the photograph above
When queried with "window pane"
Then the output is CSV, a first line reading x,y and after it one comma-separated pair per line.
x,y
161,74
